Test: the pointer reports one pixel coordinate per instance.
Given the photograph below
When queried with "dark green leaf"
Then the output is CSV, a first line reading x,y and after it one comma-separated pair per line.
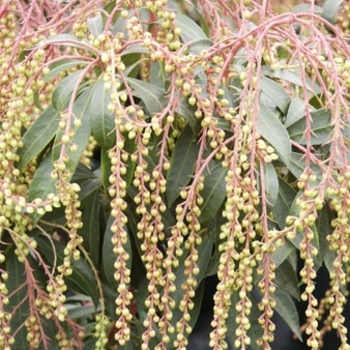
x,y
271,184
214,191
275,133
275,92
95,25
109,257
102,120
285,198
321,127
286,279
182,164
63,92
37,137
296,111
91,226
151,95
330,10
82,280
16,284
285,306
190,30
186,111
42,184
281,253
88,187
80,137
324,227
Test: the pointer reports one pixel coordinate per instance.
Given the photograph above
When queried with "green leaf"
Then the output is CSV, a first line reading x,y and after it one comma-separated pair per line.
x,y
81,134
151,95
297,166
109,257
67,40
102,120
296,111
330,10
61,66
214,191
182,163
271,184
82,280
190,30
95,25
91,226
42,184
18,305
198,46
275,133
282,253
321,127
275,93
285,306
63,92
37,137
286,279
285,199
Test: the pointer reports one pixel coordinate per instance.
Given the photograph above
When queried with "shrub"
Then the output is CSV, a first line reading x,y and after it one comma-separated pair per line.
x,y
146,145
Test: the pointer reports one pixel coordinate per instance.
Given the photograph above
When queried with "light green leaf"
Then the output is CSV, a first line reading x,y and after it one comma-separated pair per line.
x,y
214,191
80,137
321,127
275,133
330,10
190,30
275,93
285,198
135,48
67,40
282,253
151,95
271,184
296,111
285,306
63,92
199,46
37,137
297,166
61,66
95,25
182,164
102,120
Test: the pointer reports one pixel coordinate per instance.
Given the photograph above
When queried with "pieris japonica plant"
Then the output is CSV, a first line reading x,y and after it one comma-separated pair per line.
x,y
147,145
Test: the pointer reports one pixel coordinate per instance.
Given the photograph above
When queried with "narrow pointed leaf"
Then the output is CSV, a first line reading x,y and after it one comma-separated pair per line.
x,y
285,306
271,184
61,66
296,111
151,95
67,40
102,120
190,30
95,25
214,191
82,280
275,93
37,137
285,198
63,92
182,164
321,127
81,134
42,184
275,133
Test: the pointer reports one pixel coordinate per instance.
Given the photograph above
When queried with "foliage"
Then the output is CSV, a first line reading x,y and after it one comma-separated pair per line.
x,y
221,133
